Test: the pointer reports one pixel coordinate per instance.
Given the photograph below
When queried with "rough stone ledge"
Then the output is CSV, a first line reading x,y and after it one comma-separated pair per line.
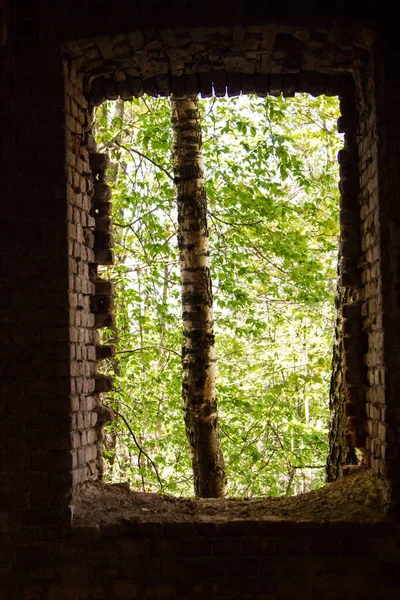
x,y
358,498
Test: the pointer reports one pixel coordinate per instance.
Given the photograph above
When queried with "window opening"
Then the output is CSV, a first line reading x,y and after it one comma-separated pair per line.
x,y
271,181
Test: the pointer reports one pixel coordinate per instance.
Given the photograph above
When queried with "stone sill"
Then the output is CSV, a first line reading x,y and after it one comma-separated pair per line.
x,y
356,500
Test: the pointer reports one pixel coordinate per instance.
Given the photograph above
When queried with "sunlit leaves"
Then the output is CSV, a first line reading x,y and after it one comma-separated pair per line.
x,y
271,181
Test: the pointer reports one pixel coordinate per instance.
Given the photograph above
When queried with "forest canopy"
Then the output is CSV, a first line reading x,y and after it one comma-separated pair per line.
x,y
271,184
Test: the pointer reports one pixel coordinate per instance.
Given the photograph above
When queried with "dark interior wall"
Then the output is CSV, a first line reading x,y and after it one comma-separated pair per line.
x,y
47,352
35,375
388,152
94,18
35,457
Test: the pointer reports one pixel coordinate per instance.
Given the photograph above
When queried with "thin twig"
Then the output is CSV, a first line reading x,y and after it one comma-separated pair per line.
x,y
308,466
267,461
140,447
136,220
149,348
131,150
237,225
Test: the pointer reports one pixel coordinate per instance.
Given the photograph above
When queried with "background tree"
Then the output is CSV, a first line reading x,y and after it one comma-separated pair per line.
x,y
271,183
340,453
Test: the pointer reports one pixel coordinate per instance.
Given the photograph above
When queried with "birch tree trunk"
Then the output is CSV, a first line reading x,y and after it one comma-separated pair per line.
x,y
198,350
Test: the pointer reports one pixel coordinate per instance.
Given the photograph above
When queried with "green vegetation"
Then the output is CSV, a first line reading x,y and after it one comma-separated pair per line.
x,y
271,181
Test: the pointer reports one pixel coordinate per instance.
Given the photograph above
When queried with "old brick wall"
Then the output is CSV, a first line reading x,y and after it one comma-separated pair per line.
x,y
51,300
371,265
35,457
245,559
92,18
187,60
90,297
387,85
81,254
34,322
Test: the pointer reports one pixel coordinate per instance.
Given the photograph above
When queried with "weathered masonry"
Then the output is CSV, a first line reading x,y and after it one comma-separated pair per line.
x,y
57,60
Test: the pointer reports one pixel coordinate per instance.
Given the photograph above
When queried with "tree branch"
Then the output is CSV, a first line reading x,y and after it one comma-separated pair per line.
x,y
149,348
308,466
140,447
132,150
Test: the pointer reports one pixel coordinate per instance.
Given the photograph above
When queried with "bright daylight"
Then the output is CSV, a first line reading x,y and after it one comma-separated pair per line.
x,y
268,216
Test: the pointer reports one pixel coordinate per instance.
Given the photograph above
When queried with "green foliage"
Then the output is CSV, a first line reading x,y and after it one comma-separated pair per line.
x,y
271,181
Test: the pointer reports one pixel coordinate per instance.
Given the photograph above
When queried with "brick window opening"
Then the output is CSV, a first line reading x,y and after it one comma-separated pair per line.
x,y
279,370
92,79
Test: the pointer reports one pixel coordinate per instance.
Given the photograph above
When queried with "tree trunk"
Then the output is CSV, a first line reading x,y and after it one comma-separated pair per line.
x,y
339,451
198,351
161,360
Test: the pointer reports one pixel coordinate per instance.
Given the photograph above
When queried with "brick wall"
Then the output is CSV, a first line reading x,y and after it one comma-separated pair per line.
x,y
90,297
371,242
55,213
35,377
80,253
189,60
35,459
98,17
387,159
247,560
